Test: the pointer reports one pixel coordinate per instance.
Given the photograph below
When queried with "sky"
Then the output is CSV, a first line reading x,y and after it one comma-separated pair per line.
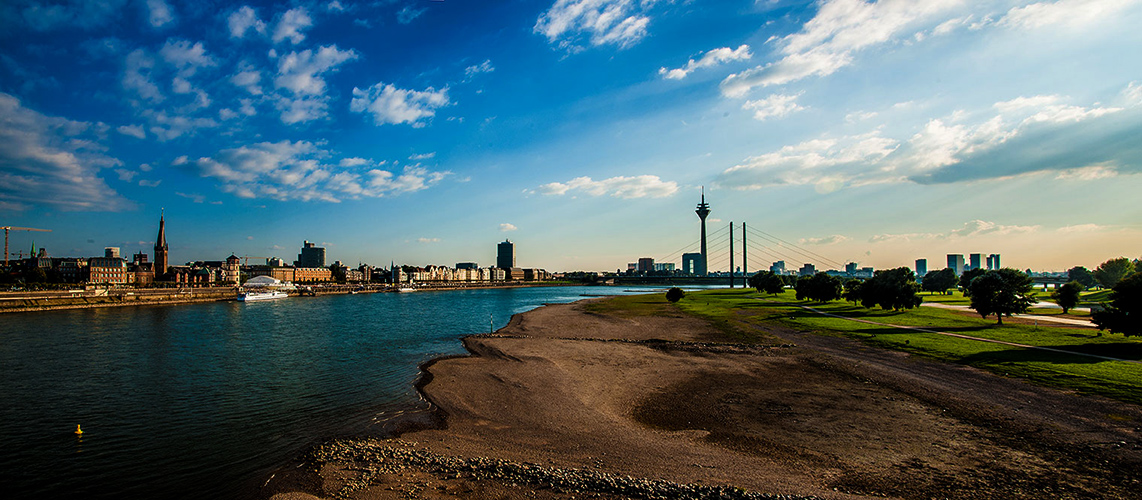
x,y
425,132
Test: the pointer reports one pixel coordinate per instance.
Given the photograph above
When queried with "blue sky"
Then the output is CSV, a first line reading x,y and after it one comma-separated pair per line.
x,y
425,132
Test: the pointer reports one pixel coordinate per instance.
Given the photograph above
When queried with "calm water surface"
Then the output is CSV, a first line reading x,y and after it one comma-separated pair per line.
x,y
204,400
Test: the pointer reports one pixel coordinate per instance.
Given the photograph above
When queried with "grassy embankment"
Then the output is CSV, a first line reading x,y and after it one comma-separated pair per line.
x,y
739,313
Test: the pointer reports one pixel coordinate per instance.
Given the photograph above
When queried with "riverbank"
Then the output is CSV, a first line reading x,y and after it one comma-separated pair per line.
x,y
640,400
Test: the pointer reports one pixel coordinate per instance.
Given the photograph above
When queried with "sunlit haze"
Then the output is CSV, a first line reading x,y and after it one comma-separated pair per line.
x,y
583,130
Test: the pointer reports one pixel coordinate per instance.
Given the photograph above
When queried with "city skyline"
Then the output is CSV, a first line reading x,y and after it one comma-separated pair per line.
x,y
425,132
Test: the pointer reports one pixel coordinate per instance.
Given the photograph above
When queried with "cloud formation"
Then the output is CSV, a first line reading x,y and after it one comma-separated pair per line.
x,y
774,106
601,22
292,25
52,161
388,104
505,227
710,59
830,40
620,187
295,171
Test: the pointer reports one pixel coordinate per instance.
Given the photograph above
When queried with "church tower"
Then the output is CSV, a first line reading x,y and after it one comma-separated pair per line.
x,y
161,249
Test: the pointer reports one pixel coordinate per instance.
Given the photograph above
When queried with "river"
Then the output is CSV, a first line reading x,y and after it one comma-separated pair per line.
x,y
204,400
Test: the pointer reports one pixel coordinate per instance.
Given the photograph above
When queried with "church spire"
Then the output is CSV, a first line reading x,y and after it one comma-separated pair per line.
x,y
161,247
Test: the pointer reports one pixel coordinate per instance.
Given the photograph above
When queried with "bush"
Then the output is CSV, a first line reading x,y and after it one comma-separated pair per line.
x,y
675,294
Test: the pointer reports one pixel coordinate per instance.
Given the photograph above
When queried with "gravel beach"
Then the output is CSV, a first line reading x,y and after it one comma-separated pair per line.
x,y
568,403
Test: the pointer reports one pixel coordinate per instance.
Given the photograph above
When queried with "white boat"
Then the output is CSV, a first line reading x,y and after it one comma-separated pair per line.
x,y
261,295
406,289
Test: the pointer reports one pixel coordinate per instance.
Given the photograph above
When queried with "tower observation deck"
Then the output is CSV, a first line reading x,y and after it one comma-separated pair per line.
x,y
703,211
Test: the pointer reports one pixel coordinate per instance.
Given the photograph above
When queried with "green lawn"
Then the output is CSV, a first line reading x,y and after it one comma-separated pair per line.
x,y
739,309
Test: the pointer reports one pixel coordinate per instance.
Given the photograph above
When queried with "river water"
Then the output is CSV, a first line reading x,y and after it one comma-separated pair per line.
x,y
203,400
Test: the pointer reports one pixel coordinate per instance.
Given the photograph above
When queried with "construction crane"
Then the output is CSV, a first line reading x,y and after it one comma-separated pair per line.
x,y
13,228
246,259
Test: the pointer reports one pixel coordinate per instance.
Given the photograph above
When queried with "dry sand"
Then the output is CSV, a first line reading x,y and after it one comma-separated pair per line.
x,y
584,396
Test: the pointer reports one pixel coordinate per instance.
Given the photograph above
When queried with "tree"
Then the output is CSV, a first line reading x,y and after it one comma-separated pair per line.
x,y
891,289
940,281
821,288
768,282
1124,312
1003,292
852,291
1109,273
674,294
1067,296
967,277
1081,275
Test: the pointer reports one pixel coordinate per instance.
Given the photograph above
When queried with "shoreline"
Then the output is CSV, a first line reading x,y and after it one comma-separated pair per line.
x,y
538,401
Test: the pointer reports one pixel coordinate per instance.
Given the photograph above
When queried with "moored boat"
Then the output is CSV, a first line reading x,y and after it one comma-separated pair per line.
x,y
261,295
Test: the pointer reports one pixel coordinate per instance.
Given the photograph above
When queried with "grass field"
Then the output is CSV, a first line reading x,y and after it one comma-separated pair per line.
x,y
735,310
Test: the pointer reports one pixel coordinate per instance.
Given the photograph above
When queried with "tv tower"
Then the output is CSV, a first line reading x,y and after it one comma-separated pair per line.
x,y
703,211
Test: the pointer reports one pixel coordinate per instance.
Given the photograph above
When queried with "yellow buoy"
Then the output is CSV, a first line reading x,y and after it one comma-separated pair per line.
x,y
78,430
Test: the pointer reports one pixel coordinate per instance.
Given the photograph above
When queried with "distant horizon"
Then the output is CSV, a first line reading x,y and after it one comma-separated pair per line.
x,y
406,131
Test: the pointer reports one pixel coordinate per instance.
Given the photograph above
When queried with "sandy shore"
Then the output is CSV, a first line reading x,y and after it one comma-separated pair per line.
x,y
565,403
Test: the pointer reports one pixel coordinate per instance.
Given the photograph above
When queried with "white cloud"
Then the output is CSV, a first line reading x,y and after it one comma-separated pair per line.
x,y
245,19
137,76
826,163
52,161
423,156
300,72
620,187
829,41
335,6
291,26
1081,228
302,109
826,240
187,57
505,227
133,131
484,67
249,79
159,13
616,22
294,171
1069,13
971,229
776,105
428,240
409,13
388,104
126,175
709,59
166,127
146,183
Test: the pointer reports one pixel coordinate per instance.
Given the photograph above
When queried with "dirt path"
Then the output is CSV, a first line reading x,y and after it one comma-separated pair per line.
x,y
1033,317
599,405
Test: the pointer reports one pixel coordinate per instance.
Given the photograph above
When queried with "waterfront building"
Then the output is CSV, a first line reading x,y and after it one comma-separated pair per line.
x,y
645,265
505,255
161,259
111,252
109,269
777,267
514,274
275,262
664,266
690,262
956,263
142,273
231,274
467,265
807,270
975,261
993,262
312,274
72,270
921,267
311,256
703,211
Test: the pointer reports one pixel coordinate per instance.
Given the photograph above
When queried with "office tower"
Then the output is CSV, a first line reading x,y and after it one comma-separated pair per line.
x,y
505,255
311,256
921,267
956,263
975,261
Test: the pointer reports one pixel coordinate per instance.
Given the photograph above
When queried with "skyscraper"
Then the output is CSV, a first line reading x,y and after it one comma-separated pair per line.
x,y
505,255
975,261
161,248
993,262
703,211
921,267
956,263
311,256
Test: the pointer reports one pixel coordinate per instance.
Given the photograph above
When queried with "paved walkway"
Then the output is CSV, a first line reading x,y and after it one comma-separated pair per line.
x,y
968,337
1047,319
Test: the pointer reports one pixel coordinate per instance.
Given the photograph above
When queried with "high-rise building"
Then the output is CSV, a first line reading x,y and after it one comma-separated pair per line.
x,y
505,255
467,265
703,211
851,268
161,260
690,262
111,252
956,263
311,256
645,264
664,266
807,270
777,267
975,261
993,262
921,267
